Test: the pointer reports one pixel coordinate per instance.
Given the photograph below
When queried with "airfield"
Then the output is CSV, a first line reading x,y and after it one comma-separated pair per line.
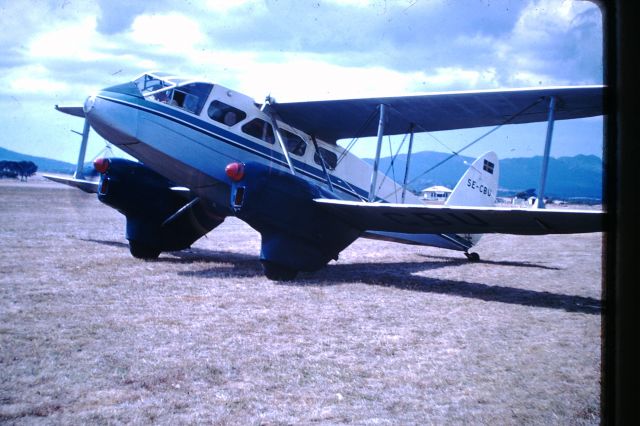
x,y
389,334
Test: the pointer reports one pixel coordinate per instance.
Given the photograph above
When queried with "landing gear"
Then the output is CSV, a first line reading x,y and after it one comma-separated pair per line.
x,y
277,272
472,257
143,251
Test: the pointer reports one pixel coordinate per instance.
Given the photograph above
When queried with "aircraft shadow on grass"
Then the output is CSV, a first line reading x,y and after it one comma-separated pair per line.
x,y
459,261
386,274
236,264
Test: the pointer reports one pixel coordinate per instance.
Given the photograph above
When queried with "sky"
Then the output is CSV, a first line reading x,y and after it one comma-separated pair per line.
x,y
61,51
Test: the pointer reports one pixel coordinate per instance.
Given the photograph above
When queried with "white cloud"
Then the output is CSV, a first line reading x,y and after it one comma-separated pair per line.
x,y
554,43
35,80
307,78
224,6
75,42
544,18
376,3
452,77
529,79
173,31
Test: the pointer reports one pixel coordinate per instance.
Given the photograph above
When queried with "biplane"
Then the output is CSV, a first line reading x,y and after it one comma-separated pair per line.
x,y
206,152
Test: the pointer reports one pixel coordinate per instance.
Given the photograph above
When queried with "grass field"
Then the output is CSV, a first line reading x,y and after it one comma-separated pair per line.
x,y
389,334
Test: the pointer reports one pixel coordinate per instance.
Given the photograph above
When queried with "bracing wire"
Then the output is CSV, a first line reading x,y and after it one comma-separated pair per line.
x,y
393,160
456,153
355,138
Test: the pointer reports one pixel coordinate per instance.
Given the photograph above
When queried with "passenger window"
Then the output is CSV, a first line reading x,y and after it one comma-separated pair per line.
x,y
225,114
259,129
330,158
293,142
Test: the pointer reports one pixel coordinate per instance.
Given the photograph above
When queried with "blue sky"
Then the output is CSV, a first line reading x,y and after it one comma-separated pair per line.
x,y
61,51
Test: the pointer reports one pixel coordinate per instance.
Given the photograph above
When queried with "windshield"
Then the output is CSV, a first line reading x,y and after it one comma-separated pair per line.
x,y
149,83
179,92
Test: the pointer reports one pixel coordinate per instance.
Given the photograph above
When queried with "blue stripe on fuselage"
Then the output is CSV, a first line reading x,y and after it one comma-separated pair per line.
x,y
197,124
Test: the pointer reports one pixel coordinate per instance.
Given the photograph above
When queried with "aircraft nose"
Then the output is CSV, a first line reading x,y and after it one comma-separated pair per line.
x,y
116,120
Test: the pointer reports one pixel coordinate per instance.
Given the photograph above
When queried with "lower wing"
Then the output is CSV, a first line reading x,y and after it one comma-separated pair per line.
x,y
90,186
423,219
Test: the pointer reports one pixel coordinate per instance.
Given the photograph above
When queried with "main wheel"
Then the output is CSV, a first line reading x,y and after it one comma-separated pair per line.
x,y
277,272
143,251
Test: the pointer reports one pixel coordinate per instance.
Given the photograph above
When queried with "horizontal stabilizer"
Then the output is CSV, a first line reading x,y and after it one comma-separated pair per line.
x,y
90,186
446,241
76,111
436,219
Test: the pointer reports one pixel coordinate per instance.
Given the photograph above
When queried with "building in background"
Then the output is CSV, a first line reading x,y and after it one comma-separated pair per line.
x,y
436,193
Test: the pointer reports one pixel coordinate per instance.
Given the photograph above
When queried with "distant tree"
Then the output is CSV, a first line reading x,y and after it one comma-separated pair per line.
x,y
26,169
8,169
15,169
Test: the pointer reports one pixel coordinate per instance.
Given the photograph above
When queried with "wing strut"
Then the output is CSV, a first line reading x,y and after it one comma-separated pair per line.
x,y
283,146
79,173
322,163
547,149
374,174
406,169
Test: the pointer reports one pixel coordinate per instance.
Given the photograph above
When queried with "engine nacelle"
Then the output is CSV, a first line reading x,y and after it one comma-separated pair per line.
x,y
296,234
159,218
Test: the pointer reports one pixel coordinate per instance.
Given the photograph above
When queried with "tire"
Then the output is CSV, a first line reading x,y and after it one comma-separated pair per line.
x,y
277,272
143,251
473,257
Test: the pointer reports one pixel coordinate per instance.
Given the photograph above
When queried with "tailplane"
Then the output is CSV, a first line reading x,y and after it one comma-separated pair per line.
x,y
477,187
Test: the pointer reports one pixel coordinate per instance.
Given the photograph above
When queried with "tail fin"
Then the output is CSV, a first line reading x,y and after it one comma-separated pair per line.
x,y
479,185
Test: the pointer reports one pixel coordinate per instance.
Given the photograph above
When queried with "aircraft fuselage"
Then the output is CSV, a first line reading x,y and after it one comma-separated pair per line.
x,y
192,147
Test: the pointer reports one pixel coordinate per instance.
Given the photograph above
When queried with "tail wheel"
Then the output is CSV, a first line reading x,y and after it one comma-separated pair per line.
x,y
472,257
143,251
277,272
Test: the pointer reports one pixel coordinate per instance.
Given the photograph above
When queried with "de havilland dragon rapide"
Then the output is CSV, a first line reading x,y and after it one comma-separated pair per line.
x,y
205,152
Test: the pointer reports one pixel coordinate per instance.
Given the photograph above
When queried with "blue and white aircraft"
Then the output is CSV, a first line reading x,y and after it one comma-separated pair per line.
x,y
207,152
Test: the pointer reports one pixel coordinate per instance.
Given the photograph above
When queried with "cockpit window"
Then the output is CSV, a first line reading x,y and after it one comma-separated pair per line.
x,y
188,96
225,114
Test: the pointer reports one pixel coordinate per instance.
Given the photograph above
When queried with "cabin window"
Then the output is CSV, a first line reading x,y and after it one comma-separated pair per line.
x,y
330,158
225,114
259,129
293,142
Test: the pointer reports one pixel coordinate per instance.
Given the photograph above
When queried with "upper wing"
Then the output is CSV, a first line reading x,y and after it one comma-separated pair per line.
x,y
436,219
340,119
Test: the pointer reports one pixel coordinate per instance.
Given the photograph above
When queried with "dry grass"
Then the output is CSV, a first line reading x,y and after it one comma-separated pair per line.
x,y
390,334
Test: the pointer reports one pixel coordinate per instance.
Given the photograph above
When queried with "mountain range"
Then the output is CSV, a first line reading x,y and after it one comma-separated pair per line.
x,y
44,164
577,177
569,178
